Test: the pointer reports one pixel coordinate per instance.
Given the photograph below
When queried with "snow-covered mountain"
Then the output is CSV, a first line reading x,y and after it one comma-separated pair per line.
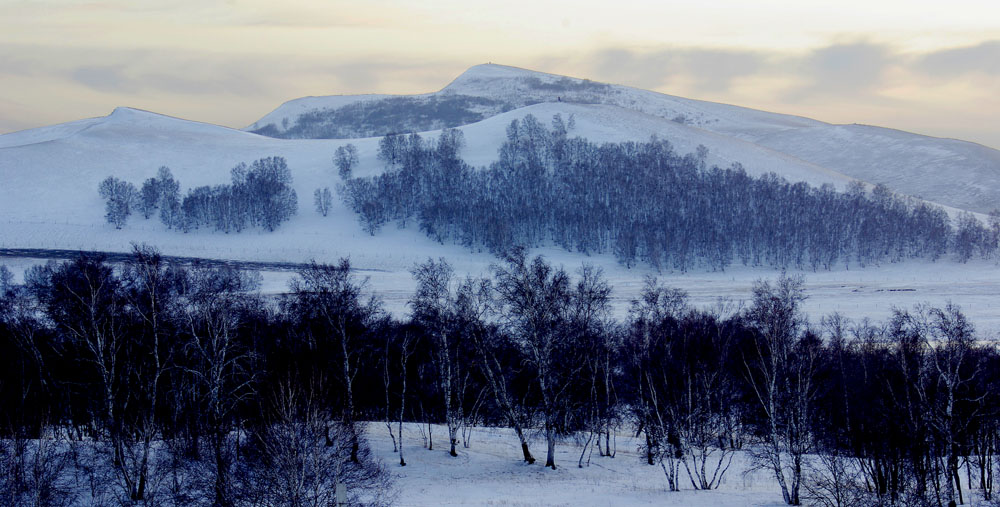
x,y
50,175
487,90
951,172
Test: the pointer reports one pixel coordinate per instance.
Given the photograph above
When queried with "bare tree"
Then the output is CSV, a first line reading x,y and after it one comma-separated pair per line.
x,y
656,307
534,300
954,365
406,349
150,290
475,302
297,461
386,361
330,295
780,372
589,328
323,199
37,472
345,158
705,401
87,302
434,308
220,363
120,198
835,480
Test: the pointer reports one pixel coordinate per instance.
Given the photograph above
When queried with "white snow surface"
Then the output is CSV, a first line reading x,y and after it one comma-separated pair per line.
x,y
491,472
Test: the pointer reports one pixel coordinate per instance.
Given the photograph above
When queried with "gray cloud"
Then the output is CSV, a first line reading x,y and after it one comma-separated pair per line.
x,y
225,88
715,70
137,72
180,73
367,76
841,69
203,73
858,66
846,70
982,58
711,69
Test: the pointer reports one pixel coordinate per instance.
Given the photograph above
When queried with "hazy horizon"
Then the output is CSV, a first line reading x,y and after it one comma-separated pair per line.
x,y
918,66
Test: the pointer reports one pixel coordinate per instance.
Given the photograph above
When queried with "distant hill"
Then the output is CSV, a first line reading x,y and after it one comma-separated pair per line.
x,y
951,172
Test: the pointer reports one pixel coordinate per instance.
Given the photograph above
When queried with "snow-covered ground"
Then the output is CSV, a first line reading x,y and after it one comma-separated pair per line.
x,y
491,472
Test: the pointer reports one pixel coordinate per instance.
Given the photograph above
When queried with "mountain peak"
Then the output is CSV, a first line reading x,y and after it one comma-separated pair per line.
x,y
496,70
134,118
122,110
488,75
131,113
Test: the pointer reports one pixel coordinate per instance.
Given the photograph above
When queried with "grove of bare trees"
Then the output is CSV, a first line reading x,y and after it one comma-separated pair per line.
x,y
260,195
146,382
644,202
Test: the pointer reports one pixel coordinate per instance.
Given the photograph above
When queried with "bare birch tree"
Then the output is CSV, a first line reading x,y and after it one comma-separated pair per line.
x,y
780,373
330,296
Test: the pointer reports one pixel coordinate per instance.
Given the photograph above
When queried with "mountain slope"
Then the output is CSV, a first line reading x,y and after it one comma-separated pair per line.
x,y
51,174
955,173
961,174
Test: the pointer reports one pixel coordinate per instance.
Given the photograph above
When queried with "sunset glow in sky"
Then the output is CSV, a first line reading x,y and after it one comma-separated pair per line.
x,y
926,66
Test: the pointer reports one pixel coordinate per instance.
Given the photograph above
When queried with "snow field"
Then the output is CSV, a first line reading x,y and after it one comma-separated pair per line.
x,y
491,472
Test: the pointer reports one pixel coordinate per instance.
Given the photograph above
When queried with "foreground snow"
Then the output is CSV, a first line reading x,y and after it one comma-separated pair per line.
x,y
490,472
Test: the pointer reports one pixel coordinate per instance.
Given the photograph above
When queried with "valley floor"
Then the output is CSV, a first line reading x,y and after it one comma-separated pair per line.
x,y
856,293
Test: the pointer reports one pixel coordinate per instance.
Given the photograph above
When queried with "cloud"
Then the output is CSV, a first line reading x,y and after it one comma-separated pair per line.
x,y
232,89
104,78
837,70
848,67
710,69
174,74
982,58
205,73
716,70
136,72
840,70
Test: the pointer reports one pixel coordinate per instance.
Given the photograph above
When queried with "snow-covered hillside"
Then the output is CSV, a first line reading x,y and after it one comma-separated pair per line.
x,y
50,175
955,173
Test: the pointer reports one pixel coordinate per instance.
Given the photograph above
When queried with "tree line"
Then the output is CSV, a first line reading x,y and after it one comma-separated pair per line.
x,y
644,202
172,385
260,195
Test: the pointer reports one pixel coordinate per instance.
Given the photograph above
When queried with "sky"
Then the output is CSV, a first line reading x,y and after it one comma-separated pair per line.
x,y
930,67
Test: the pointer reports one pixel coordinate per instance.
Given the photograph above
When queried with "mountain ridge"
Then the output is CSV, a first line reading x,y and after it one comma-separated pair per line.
x,y
909,163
